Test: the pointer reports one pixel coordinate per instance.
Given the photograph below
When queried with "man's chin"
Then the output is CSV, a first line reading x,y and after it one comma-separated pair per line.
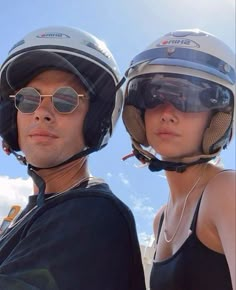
x,y
43,164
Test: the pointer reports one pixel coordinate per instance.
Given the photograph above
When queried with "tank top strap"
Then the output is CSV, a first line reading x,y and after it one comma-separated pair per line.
x,y
194,221
159,227
159,231
193,224
195,216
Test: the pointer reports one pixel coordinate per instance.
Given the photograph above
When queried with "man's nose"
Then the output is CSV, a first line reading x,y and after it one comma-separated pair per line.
x,y
45,110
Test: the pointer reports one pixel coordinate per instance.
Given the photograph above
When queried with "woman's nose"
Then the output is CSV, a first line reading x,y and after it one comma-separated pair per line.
x,y
168,113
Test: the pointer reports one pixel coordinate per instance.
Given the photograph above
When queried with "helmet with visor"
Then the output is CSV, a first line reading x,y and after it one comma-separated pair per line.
x,y
192,70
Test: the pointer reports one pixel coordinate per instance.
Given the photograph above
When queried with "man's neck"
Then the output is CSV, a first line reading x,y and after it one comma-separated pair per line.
x,y
61,178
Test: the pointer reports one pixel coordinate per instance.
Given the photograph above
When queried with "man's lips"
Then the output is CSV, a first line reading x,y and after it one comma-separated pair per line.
x,y
42,133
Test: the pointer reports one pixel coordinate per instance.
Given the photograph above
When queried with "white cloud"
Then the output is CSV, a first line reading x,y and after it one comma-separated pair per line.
x,y
139,206
109,175
123,179
145,239
162,176
14,191
231,3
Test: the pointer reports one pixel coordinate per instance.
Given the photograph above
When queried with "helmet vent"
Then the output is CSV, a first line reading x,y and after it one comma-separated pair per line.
x,y
134,124
215,135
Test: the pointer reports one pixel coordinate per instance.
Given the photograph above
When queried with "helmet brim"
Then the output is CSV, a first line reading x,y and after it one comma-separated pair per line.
x,y
26,66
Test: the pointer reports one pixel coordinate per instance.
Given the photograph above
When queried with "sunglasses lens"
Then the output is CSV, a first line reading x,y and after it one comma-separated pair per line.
x,y
65,100
27,100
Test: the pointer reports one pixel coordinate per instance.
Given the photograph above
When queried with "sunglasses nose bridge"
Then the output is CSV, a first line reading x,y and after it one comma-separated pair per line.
x,y
44,101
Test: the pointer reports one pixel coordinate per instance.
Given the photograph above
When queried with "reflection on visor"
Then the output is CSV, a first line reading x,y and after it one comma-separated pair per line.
x,y
187,94
187,58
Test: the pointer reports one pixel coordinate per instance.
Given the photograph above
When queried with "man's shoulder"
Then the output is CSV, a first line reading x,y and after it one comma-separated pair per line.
x,y
95,195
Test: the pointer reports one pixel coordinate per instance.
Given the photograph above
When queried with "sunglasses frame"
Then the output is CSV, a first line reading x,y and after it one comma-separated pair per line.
x,y
79,96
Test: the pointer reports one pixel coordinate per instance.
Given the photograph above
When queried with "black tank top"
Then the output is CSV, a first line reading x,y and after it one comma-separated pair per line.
x,y
192,267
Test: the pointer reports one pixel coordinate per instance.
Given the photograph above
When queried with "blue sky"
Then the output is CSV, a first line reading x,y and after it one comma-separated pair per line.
x,y
127,27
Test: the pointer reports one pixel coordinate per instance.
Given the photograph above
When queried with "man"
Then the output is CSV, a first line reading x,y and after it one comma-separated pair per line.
x,y
60,101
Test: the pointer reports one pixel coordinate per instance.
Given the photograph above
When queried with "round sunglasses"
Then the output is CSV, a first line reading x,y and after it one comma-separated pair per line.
x,y
65,100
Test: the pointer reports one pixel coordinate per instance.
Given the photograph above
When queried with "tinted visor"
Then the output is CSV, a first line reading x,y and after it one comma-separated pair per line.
x,y
187,94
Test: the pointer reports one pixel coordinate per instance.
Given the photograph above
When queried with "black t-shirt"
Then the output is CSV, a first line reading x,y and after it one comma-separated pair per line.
x,y
82,239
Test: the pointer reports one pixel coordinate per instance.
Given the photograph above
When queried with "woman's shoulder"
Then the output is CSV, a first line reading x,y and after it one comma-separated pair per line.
x,y
219,194
221,184
217,209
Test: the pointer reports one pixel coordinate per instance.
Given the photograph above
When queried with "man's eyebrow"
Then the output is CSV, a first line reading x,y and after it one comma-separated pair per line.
x,y
37,89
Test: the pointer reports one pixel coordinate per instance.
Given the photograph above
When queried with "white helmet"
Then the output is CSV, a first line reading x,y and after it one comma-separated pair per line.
x,y
71,50
191,61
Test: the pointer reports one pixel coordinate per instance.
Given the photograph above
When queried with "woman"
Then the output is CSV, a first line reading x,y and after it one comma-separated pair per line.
x,y
180,95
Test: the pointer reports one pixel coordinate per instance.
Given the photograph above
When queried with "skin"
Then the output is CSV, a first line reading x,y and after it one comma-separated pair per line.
x,y
167,129
47,137
174,135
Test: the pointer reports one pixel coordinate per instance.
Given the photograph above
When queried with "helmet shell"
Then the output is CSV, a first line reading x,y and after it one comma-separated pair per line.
x,y
189,52
89,56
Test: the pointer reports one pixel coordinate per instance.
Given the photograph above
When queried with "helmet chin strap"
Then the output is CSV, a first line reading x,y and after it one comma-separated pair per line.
x,y
155,164
81,154
39,181
32,170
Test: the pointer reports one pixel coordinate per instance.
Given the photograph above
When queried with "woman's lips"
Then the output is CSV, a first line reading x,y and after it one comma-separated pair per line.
x,y
167,133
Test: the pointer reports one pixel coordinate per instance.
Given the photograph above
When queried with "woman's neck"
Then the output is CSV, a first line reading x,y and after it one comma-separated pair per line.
x,y
180,183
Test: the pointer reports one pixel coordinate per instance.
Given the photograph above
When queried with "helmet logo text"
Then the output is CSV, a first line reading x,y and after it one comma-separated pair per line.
x,y
179,42
54,35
